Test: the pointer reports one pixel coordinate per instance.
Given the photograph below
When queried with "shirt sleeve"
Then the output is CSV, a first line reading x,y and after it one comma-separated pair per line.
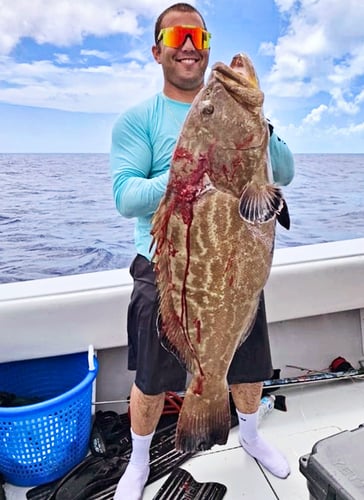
x,y
281,160
136,193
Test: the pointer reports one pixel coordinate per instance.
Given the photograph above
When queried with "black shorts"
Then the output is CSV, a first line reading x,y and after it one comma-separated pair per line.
x,y
157,370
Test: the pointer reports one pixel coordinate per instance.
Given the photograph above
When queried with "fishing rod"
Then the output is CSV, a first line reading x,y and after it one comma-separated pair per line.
x,y
314,376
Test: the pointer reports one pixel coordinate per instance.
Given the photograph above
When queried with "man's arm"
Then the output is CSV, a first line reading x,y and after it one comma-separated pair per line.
x,y
281,159
135,193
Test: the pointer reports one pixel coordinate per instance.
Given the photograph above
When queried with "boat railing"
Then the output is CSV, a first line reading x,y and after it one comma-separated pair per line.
x,y
60,315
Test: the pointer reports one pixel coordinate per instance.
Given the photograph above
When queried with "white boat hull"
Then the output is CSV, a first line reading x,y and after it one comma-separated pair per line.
x,y
315,310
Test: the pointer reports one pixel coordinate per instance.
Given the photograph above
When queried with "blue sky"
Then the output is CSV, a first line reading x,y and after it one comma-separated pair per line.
x,y
68,67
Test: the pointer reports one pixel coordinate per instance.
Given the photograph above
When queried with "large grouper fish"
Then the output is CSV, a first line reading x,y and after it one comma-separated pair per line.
x,y
213,236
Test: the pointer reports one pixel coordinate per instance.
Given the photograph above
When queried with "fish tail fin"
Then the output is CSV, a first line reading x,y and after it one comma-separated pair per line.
x,y
203,421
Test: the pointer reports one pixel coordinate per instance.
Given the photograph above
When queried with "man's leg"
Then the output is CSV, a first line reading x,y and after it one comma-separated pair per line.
x,y
247,398
157,371
251,364
145,412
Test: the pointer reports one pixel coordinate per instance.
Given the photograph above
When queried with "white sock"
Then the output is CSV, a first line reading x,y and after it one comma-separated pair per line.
x,y
132,482
258,448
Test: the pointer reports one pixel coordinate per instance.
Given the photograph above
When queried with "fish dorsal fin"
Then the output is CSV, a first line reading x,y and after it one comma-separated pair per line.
x,y
261,203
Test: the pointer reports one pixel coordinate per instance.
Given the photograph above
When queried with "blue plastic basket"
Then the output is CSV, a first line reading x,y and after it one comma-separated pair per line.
x,y
42,442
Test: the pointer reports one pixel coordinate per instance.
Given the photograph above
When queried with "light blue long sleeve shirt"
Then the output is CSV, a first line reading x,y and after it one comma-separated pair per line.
x,y
143,140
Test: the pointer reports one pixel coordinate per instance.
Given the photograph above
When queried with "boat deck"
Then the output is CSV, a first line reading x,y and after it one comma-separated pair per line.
x,y
314,412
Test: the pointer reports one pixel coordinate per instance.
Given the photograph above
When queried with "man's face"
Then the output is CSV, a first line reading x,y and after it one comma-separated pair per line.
x,y
183,67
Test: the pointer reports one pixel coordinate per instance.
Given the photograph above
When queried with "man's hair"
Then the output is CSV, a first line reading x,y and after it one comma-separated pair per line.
x,y
179,7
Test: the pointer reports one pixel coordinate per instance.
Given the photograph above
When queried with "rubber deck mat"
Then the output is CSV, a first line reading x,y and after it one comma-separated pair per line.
x,y
181,485
96,477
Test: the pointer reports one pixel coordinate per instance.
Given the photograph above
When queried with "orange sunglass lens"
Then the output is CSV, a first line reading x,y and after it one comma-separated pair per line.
x,y
176,35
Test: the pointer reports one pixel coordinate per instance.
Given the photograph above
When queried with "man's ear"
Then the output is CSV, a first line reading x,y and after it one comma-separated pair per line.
x,y
156,51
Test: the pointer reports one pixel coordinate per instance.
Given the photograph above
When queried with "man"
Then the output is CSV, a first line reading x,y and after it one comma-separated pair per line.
x,y
142,146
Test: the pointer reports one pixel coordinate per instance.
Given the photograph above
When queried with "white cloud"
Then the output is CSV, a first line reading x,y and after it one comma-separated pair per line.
x,y
323,45
315,115
99,54
66,22
62,58
342,104
100,89
267,48
355,129
285,5
137,55
320,55
360,97
70,80
351,65
306,138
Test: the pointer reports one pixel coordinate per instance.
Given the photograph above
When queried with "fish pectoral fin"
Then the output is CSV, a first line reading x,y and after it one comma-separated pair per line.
x,y
283,216
260,203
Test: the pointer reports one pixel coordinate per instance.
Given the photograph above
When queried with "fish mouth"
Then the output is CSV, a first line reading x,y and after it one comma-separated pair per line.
x,y
242,89
228,73
242,64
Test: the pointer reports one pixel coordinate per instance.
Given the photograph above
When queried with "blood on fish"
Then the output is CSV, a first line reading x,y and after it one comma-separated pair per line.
x,y
246,143
184,192
198,388
180,153
230,171
229,264
197,324
172,250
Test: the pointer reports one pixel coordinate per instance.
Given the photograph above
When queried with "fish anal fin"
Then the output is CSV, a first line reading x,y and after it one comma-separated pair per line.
x,y
172,336
260,203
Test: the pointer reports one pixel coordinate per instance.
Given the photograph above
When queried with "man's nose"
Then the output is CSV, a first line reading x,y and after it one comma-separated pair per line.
x,y
188,44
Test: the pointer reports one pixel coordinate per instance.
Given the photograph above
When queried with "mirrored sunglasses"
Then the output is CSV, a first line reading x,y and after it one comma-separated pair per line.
x,y
175,36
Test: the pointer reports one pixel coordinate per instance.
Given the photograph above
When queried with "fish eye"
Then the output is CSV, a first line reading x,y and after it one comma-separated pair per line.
x,y
208,109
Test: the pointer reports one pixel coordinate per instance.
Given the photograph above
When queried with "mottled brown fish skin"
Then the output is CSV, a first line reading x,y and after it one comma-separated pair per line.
x,y
212,260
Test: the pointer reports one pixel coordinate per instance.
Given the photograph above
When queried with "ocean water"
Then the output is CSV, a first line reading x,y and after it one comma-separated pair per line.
x,y
57,214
